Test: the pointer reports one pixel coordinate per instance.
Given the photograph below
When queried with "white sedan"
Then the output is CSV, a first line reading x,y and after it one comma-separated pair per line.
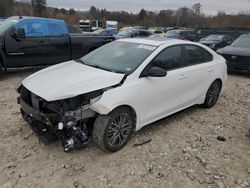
x,y
118,88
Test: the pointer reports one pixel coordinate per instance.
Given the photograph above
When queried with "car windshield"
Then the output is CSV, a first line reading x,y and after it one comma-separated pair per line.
x,y
125,32
7,24
120,57
214,37
242,41
175,32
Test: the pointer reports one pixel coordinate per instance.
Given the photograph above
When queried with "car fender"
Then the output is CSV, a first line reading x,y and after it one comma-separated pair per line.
x,y
119,96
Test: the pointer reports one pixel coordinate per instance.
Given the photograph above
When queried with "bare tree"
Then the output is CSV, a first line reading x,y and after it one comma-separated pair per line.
x,y
197,8
6,7
39,6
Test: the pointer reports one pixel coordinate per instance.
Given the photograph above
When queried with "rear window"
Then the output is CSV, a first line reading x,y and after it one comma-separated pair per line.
x,y
196,55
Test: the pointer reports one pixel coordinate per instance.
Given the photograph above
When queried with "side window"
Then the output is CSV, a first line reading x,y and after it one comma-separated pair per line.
x,y
196,55
168,59
33,28
56,28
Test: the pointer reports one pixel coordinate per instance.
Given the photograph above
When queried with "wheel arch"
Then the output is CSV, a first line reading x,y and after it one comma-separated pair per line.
x,y
105,110
130,108
218,79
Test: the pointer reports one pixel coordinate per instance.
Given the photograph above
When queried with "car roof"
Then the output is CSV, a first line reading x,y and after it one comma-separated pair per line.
x,y
31,17
154,41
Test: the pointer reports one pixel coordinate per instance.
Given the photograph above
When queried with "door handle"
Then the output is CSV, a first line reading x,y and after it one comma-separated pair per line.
x,y
210,69
182,77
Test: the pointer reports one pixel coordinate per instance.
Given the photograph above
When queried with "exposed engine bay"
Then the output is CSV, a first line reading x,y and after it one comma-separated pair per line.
x,y
68,120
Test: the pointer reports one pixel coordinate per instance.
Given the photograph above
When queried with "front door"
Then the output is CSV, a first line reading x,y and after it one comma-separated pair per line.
x,y
164,95
31,50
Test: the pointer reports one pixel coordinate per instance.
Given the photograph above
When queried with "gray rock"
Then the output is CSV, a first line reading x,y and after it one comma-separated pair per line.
x,y
160,175
209,180
201,159
239,181
216,177
248,170
220,184
190,173
76,184
207,172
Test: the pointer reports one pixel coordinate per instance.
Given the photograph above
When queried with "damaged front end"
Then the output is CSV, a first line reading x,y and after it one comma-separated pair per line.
x,y
67,120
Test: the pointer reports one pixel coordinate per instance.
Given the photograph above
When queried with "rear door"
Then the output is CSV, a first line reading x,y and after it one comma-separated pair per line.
x,y
32,50
199,72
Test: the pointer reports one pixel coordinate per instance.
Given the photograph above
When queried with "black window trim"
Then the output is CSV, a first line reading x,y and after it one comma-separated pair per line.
x,y
198,47
150,63
182,46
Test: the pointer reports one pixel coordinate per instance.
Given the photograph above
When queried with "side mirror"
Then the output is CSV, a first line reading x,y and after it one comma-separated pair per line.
x,y
20,34
154,72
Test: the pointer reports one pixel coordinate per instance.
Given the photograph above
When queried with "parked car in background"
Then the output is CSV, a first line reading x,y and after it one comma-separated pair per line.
x,y
125,28
217,41
100,95
106,32
187,34
140,27
238,54
101,32
30,41
130,33
173,36
1,20
156,30
74,29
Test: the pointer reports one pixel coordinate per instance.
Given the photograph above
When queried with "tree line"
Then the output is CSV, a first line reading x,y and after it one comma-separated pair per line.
x,y
182,17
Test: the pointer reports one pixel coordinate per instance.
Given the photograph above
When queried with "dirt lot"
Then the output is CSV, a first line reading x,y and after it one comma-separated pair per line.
x,y
184,151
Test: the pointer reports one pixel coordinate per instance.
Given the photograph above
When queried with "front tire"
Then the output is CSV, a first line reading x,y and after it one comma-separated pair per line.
x,y
112,132
213,94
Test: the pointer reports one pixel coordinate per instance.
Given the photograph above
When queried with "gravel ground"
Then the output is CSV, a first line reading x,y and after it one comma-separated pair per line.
x,y
184,151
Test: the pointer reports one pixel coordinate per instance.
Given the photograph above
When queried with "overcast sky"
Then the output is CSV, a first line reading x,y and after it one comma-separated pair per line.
x,y
208,6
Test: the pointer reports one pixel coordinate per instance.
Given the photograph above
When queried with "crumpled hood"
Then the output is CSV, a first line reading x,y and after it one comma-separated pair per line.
x,y
69,79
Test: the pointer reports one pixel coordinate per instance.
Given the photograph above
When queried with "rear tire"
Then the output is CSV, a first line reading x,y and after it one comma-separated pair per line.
x,y
112,132
213,94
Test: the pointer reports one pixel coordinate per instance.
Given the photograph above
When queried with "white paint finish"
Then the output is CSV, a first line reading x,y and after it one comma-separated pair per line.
x,y
151,98
69,79
155,98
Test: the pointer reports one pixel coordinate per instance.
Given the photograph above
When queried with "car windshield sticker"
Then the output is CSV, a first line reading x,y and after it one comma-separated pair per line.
x,y
147,47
